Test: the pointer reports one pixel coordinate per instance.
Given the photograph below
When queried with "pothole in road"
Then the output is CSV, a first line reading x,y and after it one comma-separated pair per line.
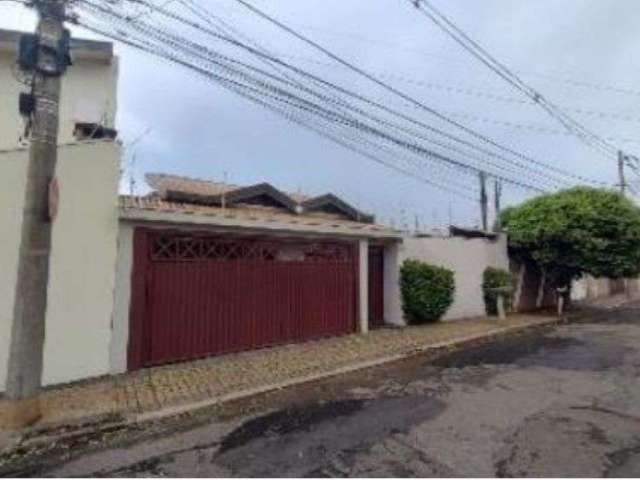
x,y
584,352
302,440
506,351
287,421
624,462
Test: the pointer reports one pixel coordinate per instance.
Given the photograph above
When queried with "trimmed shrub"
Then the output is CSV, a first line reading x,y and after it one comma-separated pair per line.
x,y
427,291
496,278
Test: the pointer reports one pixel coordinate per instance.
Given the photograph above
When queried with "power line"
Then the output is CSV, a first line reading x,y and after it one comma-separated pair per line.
x,y
555,78
478,92
459,36
411,132
241,90
542,129
398,142
327,115
197,26
382,84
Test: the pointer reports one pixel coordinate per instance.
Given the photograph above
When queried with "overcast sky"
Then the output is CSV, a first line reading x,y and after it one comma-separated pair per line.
x,y
582,54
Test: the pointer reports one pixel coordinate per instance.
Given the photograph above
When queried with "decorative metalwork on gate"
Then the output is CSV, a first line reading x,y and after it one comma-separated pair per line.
x,y
328,252
173,248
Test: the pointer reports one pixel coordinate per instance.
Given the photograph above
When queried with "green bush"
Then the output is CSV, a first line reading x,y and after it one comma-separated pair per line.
x,y
427,291
496,278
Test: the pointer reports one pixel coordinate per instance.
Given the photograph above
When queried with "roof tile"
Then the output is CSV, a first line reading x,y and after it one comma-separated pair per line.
x,y
248,213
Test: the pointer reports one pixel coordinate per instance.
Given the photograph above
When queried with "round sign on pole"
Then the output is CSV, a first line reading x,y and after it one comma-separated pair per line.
x,y
54,198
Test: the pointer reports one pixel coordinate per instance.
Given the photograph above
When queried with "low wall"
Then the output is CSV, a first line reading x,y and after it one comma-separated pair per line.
x,y
82,265
467,257
592,289
528,280
587,288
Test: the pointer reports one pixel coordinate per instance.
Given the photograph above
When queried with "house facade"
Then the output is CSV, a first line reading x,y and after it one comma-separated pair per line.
x,y
84,234
195,268
88,90
198,268
206,268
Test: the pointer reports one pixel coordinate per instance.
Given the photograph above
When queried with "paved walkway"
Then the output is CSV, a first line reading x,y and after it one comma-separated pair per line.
x,y
232,376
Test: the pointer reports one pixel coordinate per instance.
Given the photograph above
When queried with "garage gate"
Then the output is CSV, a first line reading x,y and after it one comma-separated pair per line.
x,y
196,295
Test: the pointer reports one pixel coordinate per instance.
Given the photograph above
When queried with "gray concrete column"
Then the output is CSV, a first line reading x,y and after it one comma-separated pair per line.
x,y
363,282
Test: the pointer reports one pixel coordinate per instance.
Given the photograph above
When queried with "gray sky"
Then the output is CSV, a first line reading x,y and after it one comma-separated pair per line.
x,y
582,54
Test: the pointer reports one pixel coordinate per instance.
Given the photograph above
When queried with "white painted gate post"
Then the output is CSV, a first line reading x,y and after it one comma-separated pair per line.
x,y
363,284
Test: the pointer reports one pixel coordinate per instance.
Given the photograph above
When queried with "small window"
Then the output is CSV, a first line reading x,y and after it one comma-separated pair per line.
x,y
93,131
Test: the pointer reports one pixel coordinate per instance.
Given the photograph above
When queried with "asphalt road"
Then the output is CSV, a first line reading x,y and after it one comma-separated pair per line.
x,y
561,402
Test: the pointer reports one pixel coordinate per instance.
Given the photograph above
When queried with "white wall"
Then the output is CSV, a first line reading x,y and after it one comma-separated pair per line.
x,y
591,288
83,258
579,289
392,301
12,182
88,94
122,302
468,258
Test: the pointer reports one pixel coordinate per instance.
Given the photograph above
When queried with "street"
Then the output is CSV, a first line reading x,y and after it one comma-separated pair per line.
x,y
558,402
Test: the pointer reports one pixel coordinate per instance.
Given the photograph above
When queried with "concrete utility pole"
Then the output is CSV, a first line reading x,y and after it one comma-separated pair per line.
x,y
621,179
50,59
497,196
622,158
484,200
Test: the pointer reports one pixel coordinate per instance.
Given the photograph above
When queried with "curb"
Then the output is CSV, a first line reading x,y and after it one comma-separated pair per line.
x,y
192,407
202,404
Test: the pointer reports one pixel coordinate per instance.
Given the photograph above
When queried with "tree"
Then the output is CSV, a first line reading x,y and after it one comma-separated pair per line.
x,y
577,231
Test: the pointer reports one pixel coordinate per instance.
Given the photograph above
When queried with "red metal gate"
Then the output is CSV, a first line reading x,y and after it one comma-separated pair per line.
x,y
376,286
197,295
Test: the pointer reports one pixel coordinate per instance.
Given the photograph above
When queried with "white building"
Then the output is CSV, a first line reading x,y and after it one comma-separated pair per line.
x,y
197,268
84,237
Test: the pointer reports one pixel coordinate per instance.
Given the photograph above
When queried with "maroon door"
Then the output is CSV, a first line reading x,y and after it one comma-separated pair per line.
x,y
197,295
376,286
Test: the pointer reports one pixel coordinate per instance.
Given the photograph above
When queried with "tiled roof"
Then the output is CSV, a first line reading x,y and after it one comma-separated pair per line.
x,y
184,190
249,214
163,183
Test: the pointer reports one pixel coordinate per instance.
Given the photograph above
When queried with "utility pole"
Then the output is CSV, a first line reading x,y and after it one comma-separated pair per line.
x,y
484,200
622,158
621,179
497,196
46,58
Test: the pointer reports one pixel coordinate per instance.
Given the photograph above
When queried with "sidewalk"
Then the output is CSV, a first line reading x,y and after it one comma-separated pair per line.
x,y
171,389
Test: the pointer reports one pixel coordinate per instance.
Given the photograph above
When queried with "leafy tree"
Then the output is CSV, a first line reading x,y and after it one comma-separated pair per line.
x,y
577,231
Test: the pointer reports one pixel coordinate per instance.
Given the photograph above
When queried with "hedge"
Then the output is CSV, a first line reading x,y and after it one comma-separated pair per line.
x,y
427,291
496,278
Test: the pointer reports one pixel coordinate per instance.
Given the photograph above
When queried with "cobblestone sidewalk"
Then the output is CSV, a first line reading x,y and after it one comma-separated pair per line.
x,y
217,378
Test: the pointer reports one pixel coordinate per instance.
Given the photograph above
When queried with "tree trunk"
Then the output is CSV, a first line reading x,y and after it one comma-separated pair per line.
x,y
516,296
541,287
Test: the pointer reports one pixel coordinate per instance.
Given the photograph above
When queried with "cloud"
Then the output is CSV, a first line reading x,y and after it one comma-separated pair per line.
x,y
202,130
